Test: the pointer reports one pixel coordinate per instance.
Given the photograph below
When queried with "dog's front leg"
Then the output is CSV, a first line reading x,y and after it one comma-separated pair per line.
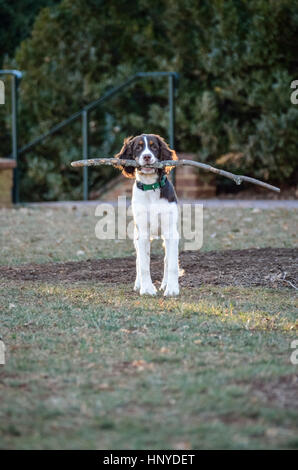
x,y
138,276
165,267
143,251
171,247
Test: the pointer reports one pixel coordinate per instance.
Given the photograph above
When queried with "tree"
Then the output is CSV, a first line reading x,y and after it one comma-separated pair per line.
x,y
236,60
17,18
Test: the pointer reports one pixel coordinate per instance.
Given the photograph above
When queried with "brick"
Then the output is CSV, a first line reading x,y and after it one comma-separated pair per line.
x,y
6,163
6,182
187,170
186,181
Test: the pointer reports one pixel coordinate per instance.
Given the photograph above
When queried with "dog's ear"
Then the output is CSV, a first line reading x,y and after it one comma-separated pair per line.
x,y
126,153
166,153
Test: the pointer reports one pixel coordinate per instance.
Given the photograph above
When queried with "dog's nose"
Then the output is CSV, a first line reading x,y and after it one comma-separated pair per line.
x,y
147,158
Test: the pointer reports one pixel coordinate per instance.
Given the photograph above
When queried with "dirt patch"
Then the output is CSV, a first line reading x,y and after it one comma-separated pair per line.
x,y
252,267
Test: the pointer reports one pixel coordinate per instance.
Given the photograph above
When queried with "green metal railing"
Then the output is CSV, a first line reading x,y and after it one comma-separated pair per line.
x,y
16,76
84,115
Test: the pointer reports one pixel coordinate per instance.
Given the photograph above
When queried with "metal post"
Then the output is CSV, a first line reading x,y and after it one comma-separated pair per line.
x,y
16,76
172,117
14,124
85,125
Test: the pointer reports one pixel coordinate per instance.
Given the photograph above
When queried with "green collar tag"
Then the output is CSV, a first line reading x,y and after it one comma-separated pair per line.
x,y
147,187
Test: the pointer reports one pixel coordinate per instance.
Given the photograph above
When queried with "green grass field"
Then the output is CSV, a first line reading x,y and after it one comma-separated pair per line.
x,y
95,366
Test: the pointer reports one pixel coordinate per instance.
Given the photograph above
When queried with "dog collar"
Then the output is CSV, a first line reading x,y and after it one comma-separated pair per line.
x,y
147,187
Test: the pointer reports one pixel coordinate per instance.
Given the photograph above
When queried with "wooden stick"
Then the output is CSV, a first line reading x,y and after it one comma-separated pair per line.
x,y
119,163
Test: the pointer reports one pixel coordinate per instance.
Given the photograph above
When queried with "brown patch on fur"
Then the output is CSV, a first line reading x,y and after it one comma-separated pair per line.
x,y
126,153
166,153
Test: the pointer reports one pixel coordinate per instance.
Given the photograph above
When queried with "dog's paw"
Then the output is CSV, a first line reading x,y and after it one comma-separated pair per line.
x,y
137,285
171,290
149,289
163,285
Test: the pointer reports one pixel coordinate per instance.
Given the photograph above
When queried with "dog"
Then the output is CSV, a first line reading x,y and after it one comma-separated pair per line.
x,y
155,210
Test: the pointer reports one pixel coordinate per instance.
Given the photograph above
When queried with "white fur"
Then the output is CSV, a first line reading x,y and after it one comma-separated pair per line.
x,y
151,214
148,152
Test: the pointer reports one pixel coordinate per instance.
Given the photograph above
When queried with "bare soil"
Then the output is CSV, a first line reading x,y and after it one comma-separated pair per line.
x,y
267,267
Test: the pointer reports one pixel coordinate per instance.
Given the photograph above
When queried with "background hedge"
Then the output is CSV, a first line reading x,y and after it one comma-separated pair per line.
x,y
236,60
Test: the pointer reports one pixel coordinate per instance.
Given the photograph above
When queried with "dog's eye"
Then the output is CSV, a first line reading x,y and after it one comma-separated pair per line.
x,y
153,146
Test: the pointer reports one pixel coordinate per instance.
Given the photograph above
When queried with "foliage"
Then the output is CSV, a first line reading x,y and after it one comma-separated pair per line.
x,y
236,60
17,18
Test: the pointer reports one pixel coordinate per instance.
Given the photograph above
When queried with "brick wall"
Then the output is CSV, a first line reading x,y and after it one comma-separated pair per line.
x,y
191,183
6,181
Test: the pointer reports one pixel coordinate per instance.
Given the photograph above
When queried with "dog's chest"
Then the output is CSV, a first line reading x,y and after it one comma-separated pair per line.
x,y
152,214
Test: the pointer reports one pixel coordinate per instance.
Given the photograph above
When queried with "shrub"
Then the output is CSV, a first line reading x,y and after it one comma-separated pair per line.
x,y
236,60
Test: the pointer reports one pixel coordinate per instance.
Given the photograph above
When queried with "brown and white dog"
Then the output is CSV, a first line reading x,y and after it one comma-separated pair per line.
x,y
154,208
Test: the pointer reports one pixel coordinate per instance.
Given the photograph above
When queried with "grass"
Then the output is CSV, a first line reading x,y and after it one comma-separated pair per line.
x,y
96,367
93,367
43,235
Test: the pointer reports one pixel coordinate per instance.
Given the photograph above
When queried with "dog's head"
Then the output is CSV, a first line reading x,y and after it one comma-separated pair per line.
x,y
145,149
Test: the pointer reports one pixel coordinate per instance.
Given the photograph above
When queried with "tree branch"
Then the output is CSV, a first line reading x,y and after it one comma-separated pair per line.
x,y
117,163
